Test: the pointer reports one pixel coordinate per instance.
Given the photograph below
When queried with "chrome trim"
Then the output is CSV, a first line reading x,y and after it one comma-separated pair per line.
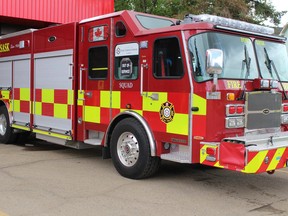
x,y
186,52
17,57
141,79
17,33
236,114
236,117
261,142
54,53
111,64
151,139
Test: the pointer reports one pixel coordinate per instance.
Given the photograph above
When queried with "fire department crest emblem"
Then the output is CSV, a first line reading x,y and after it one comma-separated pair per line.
x,y
167,112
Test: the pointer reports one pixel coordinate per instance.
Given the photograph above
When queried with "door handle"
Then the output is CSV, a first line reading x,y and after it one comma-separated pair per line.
x,y
154,96
143,66
80,74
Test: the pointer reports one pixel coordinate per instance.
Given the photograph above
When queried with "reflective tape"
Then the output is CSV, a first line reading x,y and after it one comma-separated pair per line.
x,y
54,102
61,111
153,105
25,94
116,99
92,114
201,103
47,95
179,125
254,165
105,99
61,136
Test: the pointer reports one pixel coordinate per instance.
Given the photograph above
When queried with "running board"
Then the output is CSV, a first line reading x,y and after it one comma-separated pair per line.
x,y
179,154
181,157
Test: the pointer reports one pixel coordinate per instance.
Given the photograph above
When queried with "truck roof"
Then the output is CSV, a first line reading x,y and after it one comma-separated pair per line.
x,y
144,24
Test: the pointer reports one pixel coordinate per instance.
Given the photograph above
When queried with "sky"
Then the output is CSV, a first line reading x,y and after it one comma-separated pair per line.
x,y
281,5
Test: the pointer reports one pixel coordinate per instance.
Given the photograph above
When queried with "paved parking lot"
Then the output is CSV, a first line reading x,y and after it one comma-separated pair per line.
x,y
42,180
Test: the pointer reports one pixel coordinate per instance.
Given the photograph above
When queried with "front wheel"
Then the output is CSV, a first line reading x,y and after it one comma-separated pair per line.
x,y
130,150
6,132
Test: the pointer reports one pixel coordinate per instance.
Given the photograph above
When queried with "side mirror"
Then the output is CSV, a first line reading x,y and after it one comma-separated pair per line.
x,y
214,61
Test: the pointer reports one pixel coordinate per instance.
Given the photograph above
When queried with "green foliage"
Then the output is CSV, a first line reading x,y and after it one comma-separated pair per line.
x,y
255,11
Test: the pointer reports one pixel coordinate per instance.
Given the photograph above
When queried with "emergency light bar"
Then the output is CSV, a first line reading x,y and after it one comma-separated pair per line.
x,y
230,23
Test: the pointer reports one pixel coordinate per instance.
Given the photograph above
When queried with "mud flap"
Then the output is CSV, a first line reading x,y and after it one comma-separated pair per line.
x,y
232,155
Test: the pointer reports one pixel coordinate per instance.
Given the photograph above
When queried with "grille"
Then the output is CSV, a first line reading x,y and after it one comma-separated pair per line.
x,y
263,110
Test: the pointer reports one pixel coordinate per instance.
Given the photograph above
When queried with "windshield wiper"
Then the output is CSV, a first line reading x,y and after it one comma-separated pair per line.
x,y
247,62
198,68
269,63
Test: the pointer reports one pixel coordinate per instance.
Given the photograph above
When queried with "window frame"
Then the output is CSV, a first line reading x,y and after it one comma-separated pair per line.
x,y
120,36
154,62
95,47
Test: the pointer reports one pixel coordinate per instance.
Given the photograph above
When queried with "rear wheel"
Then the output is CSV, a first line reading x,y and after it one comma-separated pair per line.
x,y
130,150
6,132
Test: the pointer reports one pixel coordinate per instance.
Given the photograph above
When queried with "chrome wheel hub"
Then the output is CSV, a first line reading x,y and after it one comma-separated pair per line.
x,y
3,125
128,149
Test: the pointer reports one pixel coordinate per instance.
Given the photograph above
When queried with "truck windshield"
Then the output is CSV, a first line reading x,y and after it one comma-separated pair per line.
x,y
236,50
269,53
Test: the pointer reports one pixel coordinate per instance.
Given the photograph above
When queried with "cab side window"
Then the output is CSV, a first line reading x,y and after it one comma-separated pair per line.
x,y
167,58
98,63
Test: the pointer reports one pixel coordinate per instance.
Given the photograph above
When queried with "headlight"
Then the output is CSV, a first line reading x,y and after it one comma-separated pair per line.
x,y
274,84
235,122
284,119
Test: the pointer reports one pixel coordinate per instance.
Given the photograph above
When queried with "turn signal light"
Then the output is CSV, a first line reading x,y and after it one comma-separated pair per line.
x,y
230,96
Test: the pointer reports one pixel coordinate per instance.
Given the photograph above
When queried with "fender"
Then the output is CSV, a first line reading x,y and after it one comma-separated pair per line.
x,y
126,114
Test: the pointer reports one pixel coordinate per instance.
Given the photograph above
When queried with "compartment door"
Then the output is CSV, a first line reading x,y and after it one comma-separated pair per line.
x,y
21,92
53,94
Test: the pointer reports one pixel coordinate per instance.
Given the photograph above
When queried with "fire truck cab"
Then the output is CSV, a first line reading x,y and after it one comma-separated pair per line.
x,y
206,90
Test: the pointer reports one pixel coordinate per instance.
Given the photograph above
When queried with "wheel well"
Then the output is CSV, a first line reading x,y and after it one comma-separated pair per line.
x,y
2,103
129,114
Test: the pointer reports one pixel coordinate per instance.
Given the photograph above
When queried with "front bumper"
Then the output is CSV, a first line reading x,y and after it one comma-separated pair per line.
x,y
248,154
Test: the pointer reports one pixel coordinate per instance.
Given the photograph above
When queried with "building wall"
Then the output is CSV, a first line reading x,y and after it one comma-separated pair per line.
x,y
17,15
55,11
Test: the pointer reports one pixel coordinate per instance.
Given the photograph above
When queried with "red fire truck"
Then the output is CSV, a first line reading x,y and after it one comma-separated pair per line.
x,y
206,90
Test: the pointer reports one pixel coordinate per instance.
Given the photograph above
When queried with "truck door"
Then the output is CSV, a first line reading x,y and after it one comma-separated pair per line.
x,y
94,81
167,99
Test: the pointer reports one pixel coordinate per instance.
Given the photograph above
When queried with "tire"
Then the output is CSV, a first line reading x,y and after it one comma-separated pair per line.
x,y
6,132
130,150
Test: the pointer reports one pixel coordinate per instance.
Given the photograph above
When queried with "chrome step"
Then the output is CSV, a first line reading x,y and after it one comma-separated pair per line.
x,y
93,141
181,157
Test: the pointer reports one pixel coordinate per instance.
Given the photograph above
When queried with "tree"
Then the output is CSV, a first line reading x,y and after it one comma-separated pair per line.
x,y
255,11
